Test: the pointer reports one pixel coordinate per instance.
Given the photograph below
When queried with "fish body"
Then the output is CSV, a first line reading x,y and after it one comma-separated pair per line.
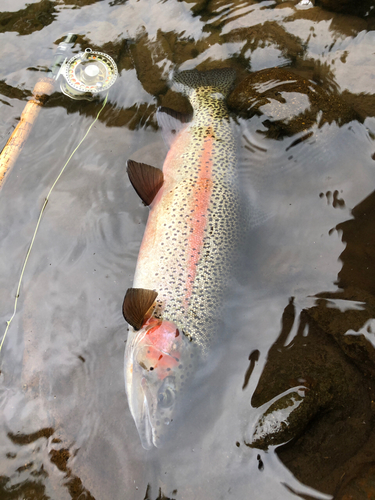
x,y
186,256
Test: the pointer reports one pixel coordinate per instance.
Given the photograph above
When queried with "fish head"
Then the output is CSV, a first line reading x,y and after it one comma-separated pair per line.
x,y
156,369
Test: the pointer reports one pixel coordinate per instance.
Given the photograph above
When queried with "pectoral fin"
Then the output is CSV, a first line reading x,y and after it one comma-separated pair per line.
x,y
137,303
145,179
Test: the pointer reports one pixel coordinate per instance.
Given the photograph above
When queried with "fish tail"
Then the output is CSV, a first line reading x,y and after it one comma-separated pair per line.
x,y
218,80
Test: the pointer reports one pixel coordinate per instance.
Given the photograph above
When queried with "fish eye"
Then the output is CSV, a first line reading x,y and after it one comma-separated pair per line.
x,y
166,397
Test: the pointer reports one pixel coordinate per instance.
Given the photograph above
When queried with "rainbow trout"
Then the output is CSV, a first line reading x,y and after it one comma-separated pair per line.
x,y
186,257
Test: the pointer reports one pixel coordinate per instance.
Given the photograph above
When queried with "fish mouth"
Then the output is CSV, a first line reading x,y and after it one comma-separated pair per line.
x,y
149,425
137,399
143,421
143,418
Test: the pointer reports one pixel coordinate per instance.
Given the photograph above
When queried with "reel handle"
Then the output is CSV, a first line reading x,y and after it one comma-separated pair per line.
x,y
60,55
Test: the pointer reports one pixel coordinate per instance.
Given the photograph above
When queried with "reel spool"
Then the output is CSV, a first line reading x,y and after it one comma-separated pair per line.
x,y
87,74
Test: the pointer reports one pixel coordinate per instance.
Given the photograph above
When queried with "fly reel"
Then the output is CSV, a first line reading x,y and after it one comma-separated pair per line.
x,y
87,74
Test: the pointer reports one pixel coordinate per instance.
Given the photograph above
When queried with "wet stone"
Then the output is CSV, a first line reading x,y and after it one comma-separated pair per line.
x,y
215,6
268,33
322,413
343,25
361,9
285,5
289,102
175,100
33,18
146,55
359,487
197,6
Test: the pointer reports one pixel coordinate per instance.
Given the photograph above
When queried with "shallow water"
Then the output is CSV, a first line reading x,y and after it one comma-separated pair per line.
x,y
66,429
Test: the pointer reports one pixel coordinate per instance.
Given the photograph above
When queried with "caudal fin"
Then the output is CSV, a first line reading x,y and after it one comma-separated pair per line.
x,y
219,80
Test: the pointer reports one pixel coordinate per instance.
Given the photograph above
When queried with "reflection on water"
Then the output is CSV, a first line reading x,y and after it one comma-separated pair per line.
x,y
298,363
330,432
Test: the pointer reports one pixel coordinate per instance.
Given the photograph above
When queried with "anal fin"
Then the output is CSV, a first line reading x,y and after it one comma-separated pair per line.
x,y
137,303
145,179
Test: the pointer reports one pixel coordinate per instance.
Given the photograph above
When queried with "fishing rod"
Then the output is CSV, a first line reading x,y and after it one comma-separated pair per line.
x,y
84,76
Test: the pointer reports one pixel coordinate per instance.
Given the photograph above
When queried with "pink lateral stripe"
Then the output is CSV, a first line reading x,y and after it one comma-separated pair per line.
x,y
200,199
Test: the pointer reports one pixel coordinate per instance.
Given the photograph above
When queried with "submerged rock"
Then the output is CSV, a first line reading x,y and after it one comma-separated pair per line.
x,y
315,397
365,8
289,103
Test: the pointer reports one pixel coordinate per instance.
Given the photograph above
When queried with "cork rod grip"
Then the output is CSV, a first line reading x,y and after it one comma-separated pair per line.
x,y
17,140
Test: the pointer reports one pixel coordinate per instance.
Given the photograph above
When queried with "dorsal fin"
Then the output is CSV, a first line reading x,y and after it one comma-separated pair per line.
x,y
146,180
171,123
137,302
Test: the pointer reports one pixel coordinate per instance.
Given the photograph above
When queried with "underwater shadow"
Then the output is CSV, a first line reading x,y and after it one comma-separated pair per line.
x,y
317,388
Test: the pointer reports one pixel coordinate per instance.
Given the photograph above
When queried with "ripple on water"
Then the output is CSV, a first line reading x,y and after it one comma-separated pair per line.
x,y
66,422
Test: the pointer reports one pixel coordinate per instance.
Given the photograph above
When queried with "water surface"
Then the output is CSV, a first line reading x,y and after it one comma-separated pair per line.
x,y
305,100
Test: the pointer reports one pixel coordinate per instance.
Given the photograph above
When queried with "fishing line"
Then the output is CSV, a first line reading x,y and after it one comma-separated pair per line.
x,y
40,217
